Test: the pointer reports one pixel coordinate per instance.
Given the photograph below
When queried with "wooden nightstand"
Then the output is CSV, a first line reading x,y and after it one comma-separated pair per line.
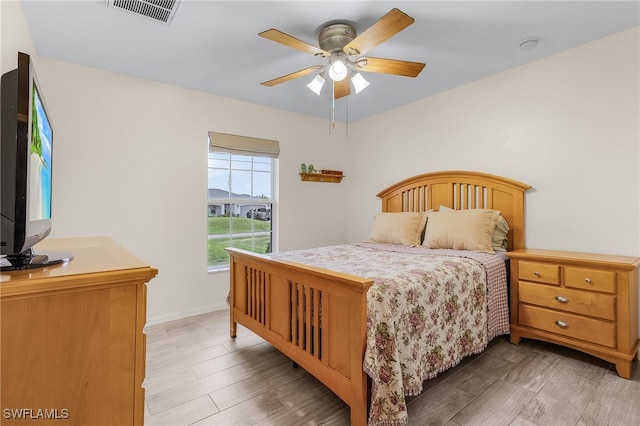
x,y
588,302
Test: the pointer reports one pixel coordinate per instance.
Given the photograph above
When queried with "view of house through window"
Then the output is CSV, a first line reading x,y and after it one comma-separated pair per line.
x,y
239,203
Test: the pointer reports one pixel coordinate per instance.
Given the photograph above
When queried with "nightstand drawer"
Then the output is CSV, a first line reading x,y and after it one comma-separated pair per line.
x,y
576,301
539,272
574,326
590,279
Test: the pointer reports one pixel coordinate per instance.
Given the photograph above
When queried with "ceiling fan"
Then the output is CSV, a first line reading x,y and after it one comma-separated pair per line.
x,y
342,46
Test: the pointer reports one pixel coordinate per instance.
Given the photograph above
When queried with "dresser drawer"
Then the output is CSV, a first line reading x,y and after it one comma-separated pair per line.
x,y
539,272
590,279
564,299
588,329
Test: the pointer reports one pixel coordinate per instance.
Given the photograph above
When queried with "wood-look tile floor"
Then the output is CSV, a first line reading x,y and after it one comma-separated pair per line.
x,y
198,375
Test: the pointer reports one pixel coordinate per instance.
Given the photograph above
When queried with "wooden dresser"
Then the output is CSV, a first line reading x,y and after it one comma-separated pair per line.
x,y
72,344
588,302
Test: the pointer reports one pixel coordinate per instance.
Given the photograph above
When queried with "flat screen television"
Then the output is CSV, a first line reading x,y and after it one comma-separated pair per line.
x,y
26,154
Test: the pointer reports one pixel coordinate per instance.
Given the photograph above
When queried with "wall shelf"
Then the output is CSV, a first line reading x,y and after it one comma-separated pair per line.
x,y
321,177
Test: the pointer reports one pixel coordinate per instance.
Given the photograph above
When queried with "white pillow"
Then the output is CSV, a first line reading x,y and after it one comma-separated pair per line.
x,y
461,229
403,228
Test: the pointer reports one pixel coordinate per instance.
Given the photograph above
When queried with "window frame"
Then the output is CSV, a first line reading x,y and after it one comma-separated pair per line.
x,y
238,203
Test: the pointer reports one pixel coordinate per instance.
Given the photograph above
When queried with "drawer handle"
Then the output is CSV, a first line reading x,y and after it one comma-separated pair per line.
x,y
536,273
562,299
562,324
587,280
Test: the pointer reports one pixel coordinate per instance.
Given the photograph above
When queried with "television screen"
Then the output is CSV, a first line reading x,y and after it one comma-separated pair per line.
x,y
40,158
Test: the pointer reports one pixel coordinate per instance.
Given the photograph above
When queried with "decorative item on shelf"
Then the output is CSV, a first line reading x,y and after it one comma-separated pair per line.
x,y
303,168
311,169
331,172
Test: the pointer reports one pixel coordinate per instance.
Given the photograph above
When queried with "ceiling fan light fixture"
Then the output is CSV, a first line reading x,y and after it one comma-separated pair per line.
x,y
338,71
359,83
316,84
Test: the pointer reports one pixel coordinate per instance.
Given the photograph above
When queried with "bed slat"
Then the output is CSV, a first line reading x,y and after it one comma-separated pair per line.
x,y
305,316
256,290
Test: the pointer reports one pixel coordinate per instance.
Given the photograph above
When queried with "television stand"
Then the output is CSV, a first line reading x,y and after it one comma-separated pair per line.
x,y
30,259
72,342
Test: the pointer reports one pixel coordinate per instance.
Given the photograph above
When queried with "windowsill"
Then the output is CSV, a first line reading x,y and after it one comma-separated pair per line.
x,y
217,270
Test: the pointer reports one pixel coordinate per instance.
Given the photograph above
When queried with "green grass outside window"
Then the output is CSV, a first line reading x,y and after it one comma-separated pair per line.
x,y
236,225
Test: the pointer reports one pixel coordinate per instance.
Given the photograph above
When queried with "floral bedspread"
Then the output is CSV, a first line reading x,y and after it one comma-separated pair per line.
x,y
426,311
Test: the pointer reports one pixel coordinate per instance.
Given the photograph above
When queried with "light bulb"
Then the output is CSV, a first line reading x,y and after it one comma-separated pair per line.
x,y
338,71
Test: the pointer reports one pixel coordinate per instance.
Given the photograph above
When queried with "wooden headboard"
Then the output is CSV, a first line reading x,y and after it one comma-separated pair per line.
x,y
461,190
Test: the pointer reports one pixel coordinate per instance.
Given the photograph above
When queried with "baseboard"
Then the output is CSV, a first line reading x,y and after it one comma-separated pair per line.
x,y
172,316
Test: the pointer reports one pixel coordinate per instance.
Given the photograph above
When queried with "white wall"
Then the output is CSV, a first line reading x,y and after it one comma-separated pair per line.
x,y
15,35
568,125
130,162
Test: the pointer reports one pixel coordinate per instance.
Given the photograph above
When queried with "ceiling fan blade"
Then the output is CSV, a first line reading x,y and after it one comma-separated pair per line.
x,y
384,28
290,41
341,88
389,66
291,76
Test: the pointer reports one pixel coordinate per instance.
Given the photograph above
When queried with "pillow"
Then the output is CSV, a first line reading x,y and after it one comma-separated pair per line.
x,y
461,229
403,228
499,240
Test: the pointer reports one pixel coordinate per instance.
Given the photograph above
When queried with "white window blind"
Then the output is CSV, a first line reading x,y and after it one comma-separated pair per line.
x,y
244,145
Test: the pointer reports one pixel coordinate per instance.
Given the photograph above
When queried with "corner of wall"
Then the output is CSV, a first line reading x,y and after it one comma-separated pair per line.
x,y
14,34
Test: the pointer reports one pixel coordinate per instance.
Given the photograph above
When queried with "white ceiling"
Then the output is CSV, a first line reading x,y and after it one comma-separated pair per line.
x,y
213,46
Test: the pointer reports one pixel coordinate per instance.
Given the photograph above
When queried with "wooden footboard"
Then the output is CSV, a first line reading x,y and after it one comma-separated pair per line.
x,y
314,316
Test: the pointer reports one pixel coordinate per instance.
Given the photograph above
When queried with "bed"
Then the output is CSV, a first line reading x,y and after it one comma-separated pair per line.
x,y
316,313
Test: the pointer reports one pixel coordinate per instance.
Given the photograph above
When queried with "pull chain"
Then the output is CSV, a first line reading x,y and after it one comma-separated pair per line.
x,y
333,106
347,117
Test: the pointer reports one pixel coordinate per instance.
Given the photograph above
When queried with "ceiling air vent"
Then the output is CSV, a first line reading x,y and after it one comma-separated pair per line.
x,y
158,10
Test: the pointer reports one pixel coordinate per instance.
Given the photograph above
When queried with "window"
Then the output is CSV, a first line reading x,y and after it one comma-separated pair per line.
x,y
240,196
